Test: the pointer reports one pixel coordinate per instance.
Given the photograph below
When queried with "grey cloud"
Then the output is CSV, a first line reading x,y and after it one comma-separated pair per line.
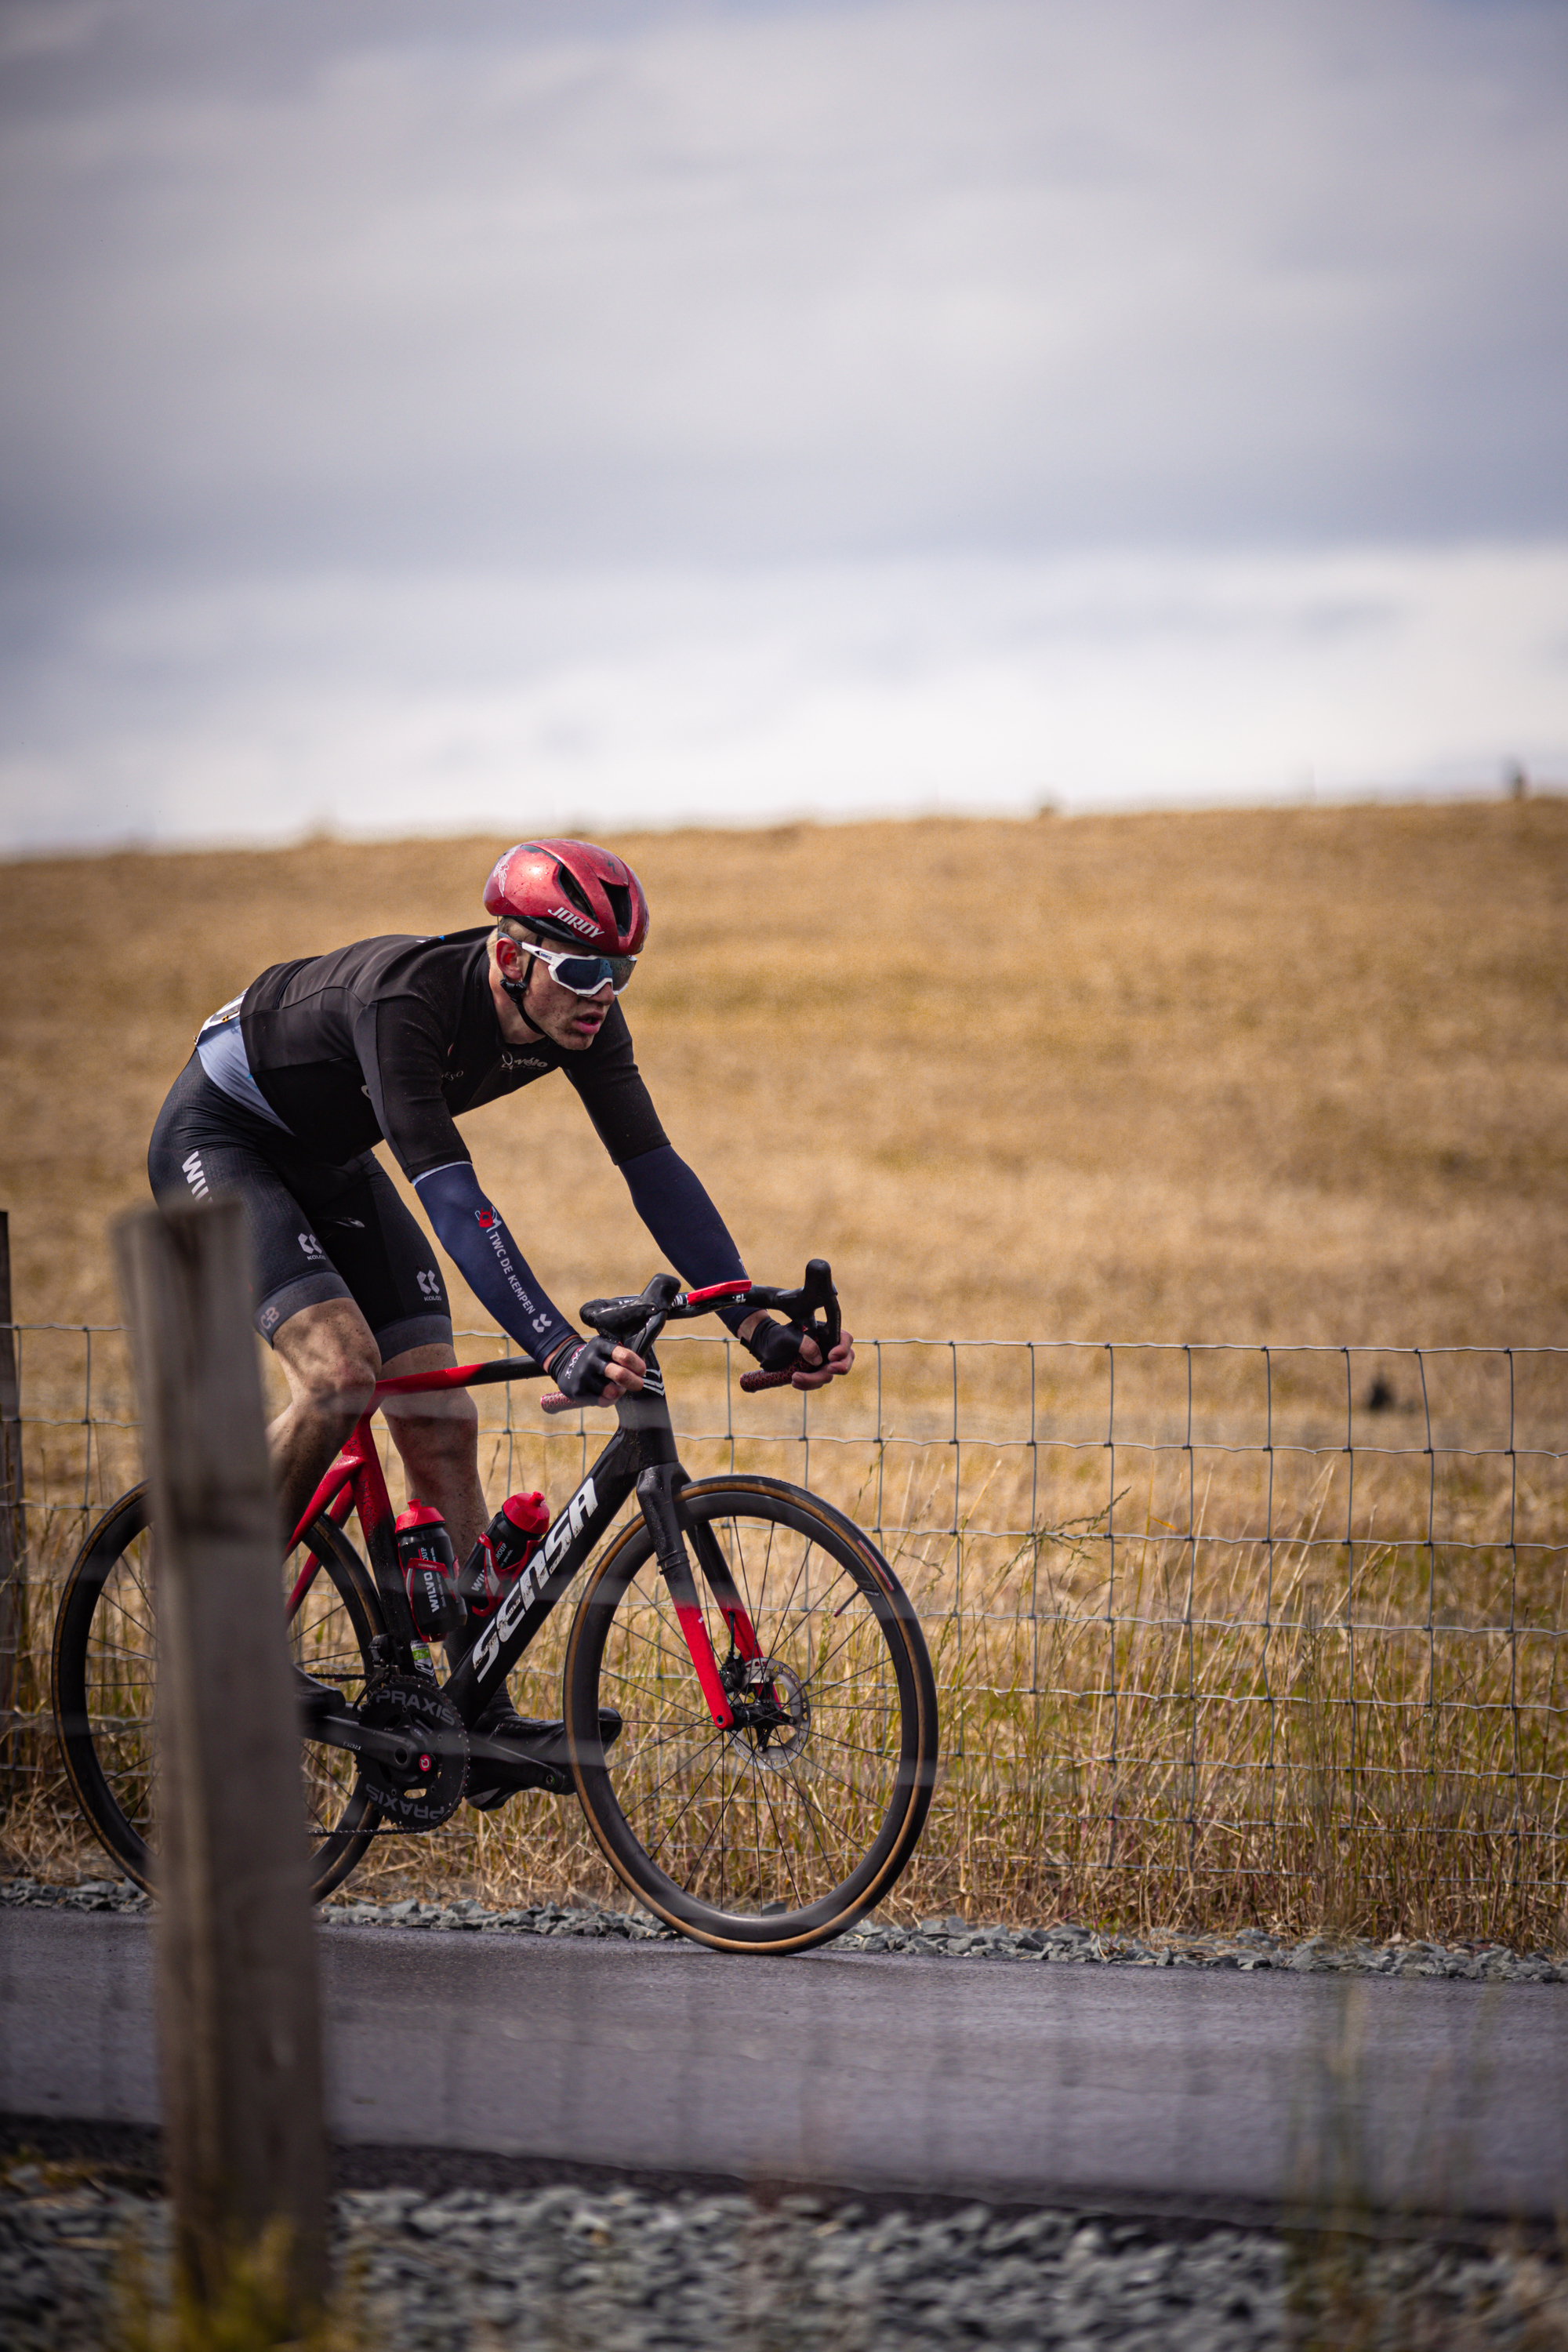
x,y
376,284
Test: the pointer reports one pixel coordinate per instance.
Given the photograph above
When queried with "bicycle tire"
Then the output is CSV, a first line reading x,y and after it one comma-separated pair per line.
x,y
732,1846
102,1681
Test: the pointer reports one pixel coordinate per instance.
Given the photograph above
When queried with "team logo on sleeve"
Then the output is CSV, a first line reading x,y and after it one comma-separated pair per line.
x,y
486,1219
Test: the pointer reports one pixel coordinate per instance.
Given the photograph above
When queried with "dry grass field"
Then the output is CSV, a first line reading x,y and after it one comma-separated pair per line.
x,y
1272,1075
1287,1075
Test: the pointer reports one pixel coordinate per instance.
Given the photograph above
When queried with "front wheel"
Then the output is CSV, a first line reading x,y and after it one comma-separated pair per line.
x,y
777,1835
103,1688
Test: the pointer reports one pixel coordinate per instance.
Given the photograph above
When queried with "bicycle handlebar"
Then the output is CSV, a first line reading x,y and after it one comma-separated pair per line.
x,y
638,1320
664,1302
645,1313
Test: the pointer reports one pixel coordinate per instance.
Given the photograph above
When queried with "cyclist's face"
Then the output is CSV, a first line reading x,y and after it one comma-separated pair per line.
x,y
566,1019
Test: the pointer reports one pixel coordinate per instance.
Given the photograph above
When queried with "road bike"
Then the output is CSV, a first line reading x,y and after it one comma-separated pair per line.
x,y
776,1746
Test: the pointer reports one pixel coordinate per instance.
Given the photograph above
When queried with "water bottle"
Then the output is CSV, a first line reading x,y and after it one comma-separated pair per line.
x,y
502,1553
429,1573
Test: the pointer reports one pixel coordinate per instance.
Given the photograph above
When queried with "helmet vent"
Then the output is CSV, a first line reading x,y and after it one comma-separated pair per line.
x,y
572,890
620,899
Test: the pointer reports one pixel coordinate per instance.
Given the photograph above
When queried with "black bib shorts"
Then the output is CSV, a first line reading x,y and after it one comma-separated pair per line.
x,y
317,1230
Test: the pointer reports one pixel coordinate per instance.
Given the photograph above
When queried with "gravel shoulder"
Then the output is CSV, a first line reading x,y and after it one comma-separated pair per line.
x,y
1062,1943
629,2272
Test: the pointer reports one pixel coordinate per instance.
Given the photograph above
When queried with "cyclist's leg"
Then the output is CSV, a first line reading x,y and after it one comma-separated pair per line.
x,y
205,1144
331,1364
438,1436
346,1285
389,1261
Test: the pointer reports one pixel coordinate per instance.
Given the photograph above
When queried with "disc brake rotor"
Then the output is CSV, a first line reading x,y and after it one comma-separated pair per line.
x,y
422,1784
775,1715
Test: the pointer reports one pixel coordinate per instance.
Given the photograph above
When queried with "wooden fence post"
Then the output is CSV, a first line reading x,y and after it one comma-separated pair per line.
x,y
240,2020
14,1695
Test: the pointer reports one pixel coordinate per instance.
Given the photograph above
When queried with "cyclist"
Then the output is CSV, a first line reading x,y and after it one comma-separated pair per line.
x,y
290,1085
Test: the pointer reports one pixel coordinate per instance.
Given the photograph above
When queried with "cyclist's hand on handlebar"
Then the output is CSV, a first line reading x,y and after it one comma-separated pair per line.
x,y
812,1372
785,1348
596,1370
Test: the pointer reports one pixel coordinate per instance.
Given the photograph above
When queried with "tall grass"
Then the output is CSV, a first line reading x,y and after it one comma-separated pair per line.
x,y
1178,1689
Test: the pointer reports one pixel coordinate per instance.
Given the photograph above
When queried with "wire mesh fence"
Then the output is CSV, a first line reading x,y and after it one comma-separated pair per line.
x,y
1221,1633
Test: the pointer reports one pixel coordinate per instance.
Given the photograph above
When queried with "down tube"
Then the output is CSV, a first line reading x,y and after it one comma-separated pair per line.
x,y
573,1533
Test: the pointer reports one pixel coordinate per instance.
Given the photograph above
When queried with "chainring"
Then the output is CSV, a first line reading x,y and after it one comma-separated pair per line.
x,y
425,1788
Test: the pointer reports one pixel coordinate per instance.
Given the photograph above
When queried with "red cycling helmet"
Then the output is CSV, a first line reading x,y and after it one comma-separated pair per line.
x,y
571,891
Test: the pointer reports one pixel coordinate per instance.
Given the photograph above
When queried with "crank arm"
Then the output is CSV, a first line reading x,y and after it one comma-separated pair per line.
x,y
500,1761
388,1747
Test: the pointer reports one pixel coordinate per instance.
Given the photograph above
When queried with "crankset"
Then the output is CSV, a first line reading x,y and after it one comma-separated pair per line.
x,y
413,1762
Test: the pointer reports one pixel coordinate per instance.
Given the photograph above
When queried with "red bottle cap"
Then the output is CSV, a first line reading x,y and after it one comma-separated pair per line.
x,y
417,1515
530,1514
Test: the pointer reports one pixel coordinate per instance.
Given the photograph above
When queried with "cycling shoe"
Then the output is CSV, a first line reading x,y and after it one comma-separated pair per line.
x,y
508,1752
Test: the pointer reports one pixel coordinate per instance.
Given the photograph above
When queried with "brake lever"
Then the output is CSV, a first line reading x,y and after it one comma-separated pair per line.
x,y
799,1305
815,1291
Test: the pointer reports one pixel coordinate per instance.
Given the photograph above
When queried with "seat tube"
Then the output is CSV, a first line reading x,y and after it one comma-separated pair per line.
x,y
657,1489
374,1505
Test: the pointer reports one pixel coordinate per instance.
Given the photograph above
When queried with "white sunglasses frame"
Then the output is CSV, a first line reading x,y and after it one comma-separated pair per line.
x,y
551,957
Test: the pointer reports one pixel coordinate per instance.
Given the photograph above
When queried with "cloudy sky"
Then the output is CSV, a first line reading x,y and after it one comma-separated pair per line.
x,y
419,416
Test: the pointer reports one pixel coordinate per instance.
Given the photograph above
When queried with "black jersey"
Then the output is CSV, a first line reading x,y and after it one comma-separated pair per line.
x,y
393,1037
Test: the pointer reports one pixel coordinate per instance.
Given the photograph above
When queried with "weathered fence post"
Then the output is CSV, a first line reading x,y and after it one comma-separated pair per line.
x,y
12,1525
239,2010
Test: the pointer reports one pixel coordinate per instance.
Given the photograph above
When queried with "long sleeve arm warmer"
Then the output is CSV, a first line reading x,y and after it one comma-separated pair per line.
x,y
673,1203
475,1238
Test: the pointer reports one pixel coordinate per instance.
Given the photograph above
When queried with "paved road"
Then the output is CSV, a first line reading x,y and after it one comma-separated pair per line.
x,y
1016,2082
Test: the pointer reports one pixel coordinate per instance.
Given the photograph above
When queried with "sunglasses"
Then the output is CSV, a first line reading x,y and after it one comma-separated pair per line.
x,y
584,975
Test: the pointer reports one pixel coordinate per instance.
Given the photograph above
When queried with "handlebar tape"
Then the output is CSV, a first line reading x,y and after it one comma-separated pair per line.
x,y
556,1402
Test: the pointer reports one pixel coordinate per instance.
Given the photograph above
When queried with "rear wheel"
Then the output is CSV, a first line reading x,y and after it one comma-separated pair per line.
x,y
779,1834
103,1688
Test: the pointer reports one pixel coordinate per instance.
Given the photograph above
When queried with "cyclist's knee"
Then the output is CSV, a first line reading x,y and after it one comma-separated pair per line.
x,y
331,1361
340,1390
334,1389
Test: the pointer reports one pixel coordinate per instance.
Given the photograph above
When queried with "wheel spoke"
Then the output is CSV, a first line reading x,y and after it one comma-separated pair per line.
x,y
666,1833
785,1848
